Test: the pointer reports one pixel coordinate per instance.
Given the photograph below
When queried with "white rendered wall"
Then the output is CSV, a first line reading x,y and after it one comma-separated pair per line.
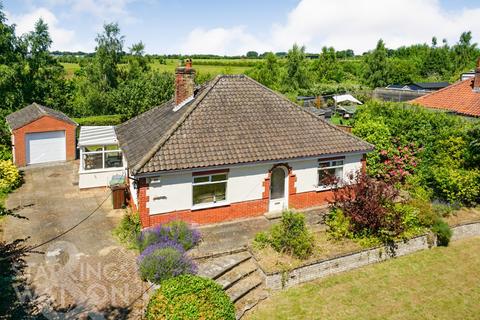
x,y
97,179
245,183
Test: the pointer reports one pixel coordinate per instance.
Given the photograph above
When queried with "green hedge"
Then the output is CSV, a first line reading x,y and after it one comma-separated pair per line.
x,y
190,297
105,120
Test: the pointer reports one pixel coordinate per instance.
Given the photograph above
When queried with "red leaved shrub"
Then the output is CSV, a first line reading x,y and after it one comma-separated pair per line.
x,y
368,203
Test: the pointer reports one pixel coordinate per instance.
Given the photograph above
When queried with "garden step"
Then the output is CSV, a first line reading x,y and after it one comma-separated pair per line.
x,y
234,275
216,267
250,300
244,286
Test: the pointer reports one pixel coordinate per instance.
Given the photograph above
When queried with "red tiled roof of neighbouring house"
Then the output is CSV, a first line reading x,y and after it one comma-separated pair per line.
x,y
462,97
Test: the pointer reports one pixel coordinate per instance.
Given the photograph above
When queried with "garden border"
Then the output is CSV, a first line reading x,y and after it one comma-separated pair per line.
x,y
322,268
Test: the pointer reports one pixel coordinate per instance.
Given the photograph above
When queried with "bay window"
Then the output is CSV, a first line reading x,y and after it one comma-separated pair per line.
x,y
329,172
209,189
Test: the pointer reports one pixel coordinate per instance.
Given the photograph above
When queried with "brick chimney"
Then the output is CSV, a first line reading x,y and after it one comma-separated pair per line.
x,y
476,79
184,82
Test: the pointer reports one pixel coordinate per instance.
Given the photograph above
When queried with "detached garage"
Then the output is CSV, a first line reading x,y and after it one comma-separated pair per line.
x,y
41,135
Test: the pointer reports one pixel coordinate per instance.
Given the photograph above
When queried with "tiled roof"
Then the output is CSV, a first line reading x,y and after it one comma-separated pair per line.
x,y
232,120
33,112
458,97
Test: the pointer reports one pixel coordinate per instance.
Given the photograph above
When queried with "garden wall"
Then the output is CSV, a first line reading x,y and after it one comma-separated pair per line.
x,y
355,260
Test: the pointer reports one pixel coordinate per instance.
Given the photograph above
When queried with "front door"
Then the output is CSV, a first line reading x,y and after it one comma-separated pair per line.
x,y
278,189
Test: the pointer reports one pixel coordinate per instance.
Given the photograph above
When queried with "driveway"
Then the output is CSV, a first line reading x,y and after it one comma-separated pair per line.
x,y
85,271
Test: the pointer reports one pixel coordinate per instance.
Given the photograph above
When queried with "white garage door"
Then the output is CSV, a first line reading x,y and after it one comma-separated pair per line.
x,y
45,147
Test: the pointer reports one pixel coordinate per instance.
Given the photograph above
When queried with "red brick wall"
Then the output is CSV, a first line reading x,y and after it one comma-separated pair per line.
x,y
44,124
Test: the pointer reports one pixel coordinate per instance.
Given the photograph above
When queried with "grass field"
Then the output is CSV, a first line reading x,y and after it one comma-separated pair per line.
x,y
171,64
442,283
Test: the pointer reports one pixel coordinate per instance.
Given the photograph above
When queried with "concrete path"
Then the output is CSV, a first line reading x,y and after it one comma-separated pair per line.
x,y
85,269
237,235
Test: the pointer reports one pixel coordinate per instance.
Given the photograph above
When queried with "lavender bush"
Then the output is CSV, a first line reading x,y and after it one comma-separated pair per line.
x,y
164,260
176,231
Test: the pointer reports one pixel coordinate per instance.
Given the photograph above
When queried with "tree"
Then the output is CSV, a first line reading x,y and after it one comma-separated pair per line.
x,y
464,52
326,67
437,61
296,76
376,72
108,53
267,72
137,63
44,77
252,54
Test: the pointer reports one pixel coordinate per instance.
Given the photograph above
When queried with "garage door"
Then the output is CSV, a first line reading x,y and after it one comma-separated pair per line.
x,y
45,147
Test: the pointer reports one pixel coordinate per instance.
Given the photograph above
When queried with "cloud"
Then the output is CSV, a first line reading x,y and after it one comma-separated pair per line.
x,y
221,41
62,38
104,9
344,24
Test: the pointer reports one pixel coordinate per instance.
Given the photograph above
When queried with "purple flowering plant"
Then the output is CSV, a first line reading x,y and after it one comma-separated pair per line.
x,y
174,231
161,261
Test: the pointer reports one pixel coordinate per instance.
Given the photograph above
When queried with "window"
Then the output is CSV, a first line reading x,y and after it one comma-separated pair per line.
x,y
329,170
209,188
101,157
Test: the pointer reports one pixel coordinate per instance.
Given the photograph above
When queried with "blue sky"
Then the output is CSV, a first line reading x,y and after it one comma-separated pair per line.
x,y
234,27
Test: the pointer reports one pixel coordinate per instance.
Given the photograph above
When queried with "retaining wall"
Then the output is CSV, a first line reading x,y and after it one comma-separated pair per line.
x,y
355,260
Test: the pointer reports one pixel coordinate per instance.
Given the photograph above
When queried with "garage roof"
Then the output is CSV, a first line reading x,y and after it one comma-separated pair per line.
x,y
34,112
97,135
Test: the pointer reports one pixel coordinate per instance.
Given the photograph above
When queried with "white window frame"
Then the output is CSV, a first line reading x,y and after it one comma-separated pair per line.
x,y
103,152
330,165
214,203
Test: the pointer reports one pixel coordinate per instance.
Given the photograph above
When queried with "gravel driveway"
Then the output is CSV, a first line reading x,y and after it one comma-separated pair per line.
x,y
85,270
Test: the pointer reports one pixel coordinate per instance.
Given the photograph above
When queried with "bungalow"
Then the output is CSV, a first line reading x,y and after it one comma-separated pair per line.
x,y
231,149
462,97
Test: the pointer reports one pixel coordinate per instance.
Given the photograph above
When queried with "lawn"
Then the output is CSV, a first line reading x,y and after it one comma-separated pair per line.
x,y
442,283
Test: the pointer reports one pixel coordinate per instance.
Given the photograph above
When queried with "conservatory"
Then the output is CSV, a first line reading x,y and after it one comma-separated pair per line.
x,y
101,159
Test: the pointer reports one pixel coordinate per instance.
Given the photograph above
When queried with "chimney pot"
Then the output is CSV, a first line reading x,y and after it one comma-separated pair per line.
x,y
184,82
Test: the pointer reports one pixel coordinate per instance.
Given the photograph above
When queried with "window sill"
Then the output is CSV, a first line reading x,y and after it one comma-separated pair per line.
x,y
102,170
210,205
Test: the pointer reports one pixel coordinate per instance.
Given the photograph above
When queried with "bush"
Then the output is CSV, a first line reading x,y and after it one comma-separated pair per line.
x,y
368,204
9,176
338,225
129,228
190,297
290,236
105,120
176,231
162,261
443,232
457,185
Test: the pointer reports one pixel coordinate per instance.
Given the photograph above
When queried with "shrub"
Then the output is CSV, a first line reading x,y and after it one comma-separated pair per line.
x,y
368,204
190,297
177,231
290,236
9,176
338,225
128,230
164,260
443,232
104,120
457,185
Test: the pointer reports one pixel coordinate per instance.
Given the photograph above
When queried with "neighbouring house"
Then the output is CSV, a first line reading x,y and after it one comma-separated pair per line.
x,y
100,156
231,149
41,134
407,92
462,97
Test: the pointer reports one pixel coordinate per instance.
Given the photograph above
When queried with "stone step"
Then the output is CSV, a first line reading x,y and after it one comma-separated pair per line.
x,y
236,274
244,286
250,300
216,267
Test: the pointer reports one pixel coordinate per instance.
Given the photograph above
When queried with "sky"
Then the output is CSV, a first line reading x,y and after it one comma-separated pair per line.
x,y
235,27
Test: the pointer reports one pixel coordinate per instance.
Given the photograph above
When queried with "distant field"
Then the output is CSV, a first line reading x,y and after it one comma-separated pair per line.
x,y
214,67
